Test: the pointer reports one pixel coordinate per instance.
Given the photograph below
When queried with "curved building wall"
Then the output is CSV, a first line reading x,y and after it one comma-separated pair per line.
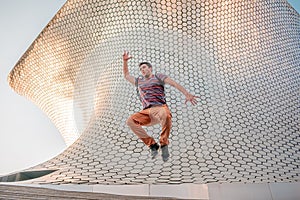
x,y
240,57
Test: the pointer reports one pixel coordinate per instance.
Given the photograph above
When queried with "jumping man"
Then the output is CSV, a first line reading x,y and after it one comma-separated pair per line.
x,y
155,110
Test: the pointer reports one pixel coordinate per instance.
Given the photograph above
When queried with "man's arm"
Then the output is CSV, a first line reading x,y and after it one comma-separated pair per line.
x,y
127,76
188,97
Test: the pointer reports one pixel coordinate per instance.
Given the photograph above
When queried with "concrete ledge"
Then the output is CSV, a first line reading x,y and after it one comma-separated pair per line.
x,y
285,191
182,191
138,190
254,191
212,191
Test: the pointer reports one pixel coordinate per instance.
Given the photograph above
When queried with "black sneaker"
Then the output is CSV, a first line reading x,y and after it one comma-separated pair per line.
x,y
154,150
165,153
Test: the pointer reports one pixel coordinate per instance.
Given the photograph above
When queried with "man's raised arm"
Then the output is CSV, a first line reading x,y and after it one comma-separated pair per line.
x,y
127,76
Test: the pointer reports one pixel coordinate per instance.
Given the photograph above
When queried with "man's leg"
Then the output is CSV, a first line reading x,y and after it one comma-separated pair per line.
x,y
135,123
163,115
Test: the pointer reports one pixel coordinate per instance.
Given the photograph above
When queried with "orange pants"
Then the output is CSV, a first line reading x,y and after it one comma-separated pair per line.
x,y
149,117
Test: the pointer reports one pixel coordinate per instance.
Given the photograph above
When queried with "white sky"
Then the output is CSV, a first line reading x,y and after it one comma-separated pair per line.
x,y
27,137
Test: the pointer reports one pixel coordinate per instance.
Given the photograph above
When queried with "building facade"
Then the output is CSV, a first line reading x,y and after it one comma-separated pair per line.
x,y
241,57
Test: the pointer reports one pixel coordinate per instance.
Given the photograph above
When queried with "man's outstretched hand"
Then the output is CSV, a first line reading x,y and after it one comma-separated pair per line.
x,y
191,98
126,56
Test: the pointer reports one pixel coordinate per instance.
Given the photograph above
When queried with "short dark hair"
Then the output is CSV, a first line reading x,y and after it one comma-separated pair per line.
x,y
145,63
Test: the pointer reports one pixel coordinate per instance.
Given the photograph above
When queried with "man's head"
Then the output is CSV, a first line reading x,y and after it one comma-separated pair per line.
x,y
145,69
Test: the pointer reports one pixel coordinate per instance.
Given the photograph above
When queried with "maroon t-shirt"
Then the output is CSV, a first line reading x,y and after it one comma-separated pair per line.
x,y
151,90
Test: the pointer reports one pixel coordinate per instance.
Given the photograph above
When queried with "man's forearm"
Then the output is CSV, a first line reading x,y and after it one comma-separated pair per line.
x,y
125,68
126,74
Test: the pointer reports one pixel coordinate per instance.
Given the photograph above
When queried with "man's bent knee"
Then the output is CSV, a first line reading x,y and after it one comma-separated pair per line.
x,y
130,121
